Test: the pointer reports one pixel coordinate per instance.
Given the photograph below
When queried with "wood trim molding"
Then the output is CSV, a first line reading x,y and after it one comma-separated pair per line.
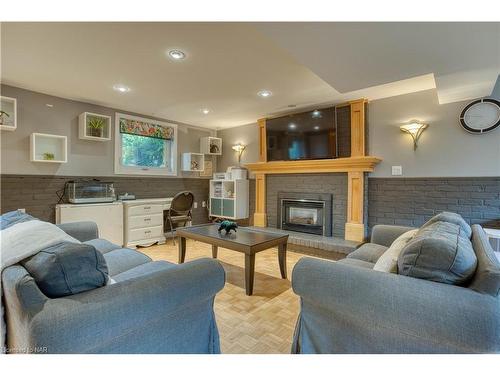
x,y
354,228
259,217
262,140
358,120
352,164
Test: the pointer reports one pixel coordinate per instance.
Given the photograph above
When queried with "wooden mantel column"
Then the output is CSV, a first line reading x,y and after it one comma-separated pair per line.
x,y
354,227
260,217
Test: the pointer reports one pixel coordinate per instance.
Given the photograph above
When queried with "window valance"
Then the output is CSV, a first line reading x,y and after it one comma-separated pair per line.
x,y
146,129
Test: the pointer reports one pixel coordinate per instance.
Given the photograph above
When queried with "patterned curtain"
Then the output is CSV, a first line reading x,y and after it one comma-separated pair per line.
x,y
146,129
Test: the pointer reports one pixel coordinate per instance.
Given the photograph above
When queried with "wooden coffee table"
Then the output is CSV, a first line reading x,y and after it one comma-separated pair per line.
x,y
245,241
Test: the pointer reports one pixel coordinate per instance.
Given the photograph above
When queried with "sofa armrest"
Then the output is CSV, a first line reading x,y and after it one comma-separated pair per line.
x,y
386,234
389,313
89,321
81,230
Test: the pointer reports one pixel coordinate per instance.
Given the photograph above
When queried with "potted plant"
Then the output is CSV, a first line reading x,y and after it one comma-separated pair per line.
x,y
2,118
95,126
48,156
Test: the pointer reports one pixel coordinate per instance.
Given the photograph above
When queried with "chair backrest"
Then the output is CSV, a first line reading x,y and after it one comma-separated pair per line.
x,y
182,202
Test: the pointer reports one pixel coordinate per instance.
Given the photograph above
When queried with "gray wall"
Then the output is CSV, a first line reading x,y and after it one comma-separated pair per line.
x,y
38,194
85,158
247,135
413,201
444,149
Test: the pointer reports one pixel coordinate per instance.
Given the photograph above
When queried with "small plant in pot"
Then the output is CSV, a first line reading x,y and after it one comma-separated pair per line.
x,y
3,117
95,126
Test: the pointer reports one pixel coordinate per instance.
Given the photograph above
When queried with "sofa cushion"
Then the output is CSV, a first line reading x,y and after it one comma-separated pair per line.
x,y
121,260
451,217
388,261
104,246
143,269
67,268
369,252
487,277
356,263
438,252
8,219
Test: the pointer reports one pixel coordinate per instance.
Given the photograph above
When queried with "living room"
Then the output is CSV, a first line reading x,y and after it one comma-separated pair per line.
x,y
238,188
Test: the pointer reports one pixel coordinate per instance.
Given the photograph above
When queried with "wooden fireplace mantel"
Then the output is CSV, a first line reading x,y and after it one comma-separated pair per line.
x,y
352,164
355,166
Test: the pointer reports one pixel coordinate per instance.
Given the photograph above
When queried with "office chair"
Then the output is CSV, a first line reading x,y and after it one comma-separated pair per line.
x,y
180,210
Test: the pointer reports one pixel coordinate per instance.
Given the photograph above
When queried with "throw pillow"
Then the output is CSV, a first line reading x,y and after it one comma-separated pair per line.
x,y
451,217
438,252
388,261
67,268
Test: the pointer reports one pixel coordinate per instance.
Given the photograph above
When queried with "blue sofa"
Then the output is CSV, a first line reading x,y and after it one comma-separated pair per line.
x,y
346,307
154,307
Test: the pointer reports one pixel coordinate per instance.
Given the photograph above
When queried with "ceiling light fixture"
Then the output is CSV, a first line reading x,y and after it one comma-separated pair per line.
x,y
205,111
121,88
264,93
316,127
292,125
176,54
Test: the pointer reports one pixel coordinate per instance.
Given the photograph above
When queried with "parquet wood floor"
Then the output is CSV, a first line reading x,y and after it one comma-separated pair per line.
x,y
258,324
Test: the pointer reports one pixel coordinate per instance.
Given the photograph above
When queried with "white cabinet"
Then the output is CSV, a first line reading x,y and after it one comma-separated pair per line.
x,y
229,199
107,216
143,221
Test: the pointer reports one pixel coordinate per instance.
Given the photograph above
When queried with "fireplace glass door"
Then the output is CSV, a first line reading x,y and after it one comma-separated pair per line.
x,y
303,216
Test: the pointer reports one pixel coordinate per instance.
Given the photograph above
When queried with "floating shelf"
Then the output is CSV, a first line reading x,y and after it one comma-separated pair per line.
x,y
211,146
193,162
48,148
8,120
85,131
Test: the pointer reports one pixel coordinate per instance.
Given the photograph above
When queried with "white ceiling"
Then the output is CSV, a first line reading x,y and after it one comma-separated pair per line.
x,y
228,63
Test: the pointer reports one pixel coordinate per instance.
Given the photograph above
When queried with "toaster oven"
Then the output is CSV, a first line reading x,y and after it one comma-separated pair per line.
x,y
93,191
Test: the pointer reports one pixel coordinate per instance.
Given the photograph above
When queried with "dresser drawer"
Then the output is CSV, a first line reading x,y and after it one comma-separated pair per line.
x,y
145,233
143,221
145,209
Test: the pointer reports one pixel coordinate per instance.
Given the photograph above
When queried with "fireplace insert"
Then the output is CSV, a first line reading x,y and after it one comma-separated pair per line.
x,y
305,212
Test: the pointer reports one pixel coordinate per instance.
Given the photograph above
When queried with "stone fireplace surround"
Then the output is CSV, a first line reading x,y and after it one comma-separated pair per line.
x,y
320,183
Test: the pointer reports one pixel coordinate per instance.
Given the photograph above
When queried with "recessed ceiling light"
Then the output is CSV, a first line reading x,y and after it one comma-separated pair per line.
x,y
205,111
264,93
316,127
292,125
316,114
176,54
121,88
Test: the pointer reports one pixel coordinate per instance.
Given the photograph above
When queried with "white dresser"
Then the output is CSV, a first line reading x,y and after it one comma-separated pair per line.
x,y
107,216
143,221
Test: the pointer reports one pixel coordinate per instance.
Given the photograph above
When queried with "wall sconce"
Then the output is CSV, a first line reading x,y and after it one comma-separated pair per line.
x,y
239,148
415,129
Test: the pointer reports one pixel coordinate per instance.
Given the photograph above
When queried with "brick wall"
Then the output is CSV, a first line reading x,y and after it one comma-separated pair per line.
x,y
37,194
333,183
412,201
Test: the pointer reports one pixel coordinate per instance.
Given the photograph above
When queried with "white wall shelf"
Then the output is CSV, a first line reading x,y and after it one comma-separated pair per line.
x,y
8,116
48,148
193,162
85,130
211,145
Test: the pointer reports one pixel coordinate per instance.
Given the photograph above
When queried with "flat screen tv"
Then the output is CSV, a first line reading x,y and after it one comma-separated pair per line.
x,y
302,136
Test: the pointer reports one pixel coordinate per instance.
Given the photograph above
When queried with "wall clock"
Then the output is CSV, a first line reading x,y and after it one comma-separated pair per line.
x,y
481,116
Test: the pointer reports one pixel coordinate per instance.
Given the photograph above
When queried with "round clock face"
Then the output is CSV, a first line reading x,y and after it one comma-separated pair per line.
x,y
481,116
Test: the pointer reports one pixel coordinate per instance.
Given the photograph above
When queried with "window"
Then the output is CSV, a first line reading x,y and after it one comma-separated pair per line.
x,y
144,146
